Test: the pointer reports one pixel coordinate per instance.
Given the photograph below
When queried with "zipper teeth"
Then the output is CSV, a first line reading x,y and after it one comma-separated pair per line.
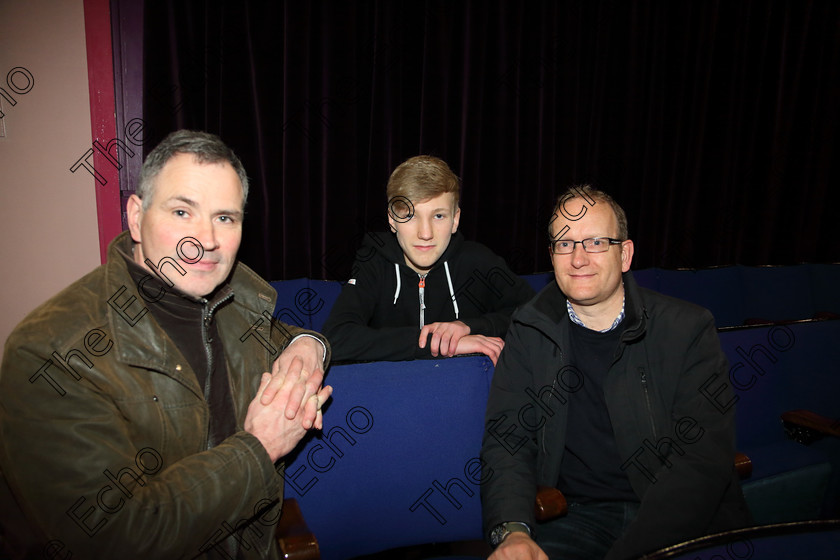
x,y
205,335
545,427
647,400
205,323
421,286
559,357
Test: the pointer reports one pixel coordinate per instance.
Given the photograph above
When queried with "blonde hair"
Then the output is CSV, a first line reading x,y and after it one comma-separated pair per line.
x,y
420,178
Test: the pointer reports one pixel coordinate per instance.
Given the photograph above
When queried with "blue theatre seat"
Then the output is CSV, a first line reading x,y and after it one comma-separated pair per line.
x,y
720,290
305,303
774,369
397,462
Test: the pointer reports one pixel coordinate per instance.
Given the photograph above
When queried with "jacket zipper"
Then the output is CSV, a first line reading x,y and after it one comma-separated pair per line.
x,y
208,349
421,286
557,356
545,427
647,400
205,336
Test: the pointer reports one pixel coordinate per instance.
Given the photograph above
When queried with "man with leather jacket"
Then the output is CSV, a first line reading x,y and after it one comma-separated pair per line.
x,y
145,409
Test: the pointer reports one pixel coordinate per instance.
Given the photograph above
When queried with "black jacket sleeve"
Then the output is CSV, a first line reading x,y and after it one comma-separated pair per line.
x,y
508,449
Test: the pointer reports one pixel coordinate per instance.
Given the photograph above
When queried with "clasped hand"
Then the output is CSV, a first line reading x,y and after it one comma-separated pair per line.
x,y
289,399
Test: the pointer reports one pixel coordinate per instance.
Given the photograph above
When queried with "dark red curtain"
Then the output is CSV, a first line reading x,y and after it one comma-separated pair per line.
x,y
715,124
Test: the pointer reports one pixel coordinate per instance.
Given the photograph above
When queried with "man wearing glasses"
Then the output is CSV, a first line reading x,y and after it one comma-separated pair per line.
x,y
597,394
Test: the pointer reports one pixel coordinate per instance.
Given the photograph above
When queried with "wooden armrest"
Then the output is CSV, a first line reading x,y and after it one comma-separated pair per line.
x,y
807,427
295,539
743,465
550,504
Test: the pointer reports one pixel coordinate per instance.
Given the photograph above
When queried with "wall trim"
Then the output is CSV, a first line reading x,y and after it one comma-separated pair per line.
x,y
106,155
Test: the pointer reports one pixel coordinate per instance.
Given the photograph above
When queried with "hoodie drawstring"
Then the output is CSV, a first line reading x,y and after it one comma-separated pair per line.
x,y
451,291
422,286
397,291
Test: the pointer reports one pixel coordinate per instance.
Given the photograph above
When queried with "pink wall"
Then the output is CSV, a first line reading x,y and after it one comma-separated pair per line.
x,y
48,230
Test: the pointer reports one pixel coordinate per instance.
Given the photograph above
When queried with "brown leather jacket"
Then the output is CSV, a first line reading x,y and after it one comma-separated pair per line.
x,y
104,428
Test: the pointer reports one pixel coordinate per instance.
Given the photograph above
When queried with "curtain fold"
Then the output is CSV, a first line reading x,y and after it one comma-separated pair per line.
x,y
715,124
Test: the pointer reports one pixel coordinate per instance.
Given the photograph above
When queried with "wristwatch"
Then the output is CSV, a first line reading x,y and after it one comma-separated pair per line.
x,y
501,531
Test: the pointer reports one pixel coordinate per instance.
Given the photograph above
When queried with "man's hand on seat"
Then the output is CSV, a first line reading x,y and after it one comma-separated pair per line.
x,y
445,337
518,546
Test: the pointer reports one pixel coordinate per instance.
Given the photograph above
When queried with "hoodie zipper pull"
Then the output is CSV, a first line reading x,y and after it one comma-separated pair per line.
x,y
421,287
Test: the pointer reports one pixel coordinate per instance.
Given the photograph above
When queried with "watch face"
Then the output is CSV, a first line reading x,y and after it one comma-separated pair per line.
x,y
498,534
502,530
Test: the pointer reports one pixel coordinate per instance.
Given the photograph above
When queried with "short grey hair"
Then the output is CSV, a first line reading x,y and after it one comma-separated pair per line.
x,y
206,147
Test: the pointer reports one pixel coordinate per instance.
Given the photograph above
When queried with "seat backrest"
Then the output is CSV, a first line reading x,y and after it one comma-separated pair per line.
x,y
775,368
777,293
304,302
720,290
732,293
286,309
397,461
396,464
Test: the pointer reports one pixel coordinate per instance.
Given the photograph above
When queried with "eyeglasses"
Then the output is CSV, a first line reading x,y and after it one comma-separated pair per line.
x,y
591,245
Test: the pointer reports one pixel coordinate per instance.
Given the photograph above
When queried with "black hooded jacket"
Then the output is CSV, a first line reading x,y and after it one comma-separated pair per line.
x,y
378,314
